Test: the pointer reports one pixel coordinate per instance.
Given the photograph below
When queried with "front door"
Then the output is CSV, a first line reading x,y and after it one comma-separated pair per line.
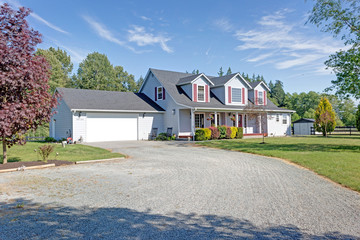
x,y
199,120
240,121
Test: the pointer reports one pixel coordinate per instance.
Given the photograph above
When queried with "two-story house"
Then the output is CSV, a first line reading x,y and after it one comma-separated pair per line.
x,y
167,100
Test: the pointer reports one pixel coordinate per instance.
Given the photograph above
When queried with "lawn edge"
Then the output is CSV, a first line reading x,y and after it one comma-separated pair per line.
x,y
99,160
27,168
287,161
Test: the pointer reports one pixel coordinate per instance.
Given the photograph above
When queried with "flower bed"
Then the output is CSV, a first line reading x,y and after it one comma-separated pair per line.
x,y
220,132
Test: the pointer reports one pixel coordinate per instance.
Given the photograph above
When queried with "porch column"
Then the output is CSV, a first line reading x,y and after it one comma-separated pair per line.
x,y
243,123
215,116
237,120
192,119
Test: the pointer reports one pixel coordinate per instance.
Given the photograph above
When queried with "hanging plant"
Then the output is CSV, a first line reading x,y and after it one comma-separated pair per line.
x,y
211,117
233,118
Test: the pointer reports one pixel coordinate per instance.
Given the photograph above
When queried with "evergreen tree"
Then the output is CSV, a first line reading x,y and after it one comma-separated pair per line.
x,y
324,117
277,92
229,71
221,72
195,71
139,83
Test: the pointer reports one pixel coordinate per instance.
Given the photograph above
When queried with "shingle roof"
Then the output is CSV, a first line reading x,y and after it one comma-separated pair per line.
x,y
169,80
188,79
303,120
107,100
219,81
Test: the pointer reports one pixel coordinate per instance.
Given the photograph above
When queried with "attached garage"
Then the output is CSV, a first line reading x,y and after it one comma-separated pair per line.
x,y
102,127
102,116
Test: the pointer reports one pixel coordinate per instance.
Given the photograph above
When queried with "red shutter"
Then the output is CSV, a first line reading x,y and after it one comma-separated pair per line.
x,y
163,93
243,95
195,92
207,93
229,94
264,97
155,93
256,97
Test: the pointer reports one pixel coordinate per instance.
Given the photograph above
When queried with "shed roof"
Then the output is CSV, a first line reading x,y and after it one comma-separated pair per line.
x,y
305,120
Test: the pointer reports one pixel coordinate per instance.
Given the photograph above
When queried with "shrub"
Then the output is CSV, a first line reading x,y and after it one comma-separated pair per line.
x,y
165,137
45,151
200,135
50,139
222,130
228,132
239,133
207,133
215,134
234,131
162,137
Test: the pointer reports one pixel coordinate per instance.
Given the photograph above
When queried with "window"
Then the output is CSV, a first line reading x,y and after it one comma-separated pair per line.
x,y
236,95
284,119
201,93
277,117
199,120
218,120
261,97
160,93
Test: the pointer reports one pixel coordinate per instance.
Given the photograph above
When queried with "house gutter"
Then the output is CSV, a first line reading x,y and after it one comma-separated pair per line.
x,y
115,111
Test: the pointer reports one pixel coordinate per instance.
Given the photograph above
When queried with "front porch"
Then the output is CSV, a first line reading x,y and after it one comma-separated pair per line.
x,y
254,124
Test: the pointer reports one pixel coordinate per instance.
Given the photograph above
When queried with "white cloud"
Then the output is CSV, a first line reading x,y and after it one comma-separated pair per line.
x,y
142,38
17,4
223,24
289,45
145,18
102,31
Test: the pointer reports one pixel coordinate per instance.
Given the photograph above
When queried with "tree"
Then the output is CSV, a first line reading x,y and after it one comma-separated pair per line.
x,y
358,117
324,117
25,102
127,81
341,18
139,83
59,76
221,72
195,71
229,71
96,72
277,93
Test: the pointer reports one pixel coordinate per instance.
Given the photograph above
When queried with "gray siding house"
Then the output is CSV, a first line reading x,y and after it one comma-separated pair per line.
x,y
168,101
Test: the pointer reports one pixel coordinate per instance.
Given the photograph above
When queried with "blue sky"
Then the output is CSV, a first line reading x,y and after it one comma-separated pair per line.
x,y
262,37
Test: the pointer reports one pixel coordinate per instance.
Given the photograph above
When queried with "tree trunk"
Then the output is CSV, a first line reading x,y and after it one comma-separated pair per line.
x,y
4,151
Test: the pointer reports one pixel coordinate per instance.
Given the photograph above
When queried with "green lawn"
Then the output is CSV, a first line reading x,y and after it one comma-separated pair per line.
x,y
73,152
336,157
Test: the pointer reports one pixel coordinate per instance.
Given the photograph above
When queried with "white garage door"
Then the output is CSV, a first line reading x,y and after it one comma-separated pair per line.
x,y
103,127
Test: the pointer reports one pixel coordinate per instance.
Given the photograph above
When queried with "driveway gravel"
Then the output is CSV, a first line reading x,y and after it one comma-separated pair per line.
x,y
168,190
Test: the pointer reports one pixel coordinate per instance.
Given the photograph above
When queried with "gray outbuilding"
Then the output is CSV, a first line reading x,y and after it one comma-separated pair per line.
x,y
303,126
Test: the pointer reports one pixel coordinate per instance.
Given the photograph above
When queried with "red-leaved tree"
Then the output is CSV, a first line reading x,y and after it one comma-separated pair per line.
x,y
24,99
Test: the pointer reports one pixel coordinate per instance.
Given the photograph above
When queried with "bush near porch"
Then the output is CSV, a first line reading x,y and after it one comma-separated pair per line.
x,y
220,132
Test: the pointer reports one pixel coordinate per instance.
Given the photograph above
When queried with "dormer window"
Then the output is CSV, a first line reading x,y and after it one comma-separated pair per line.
x,y
261,97
236,95
201,93
160,93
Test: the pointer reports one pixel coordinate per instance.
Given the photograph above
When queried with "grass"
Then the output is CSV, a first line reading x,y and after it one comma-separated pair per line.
x,y
335,157
73,153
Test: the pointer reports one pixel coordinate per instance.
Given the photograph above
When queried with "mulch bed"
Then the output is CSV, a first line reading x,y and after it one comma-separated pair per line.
x,y
10,165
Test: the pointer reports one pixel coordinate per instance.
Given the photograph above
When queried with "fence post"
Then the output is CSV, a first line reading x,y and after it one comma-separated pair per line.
x,y
350,131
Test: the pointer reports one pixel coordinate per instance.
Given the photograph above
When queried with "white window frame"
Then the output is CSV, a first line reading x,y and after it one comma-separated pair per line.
x,y
162,93
277,117
199,92
284,119
261,97
232,95
198,114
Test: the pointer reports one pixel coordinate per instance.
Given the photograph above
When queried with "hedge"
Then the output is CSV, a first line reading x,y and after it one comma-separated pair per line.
x,y
234,131
228,132
222,130
200,135
215,133
207,133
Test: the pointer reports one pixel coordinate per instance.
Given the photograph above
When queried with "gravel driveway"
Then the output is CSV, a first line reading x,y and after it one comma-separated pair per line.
x,y
168,190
